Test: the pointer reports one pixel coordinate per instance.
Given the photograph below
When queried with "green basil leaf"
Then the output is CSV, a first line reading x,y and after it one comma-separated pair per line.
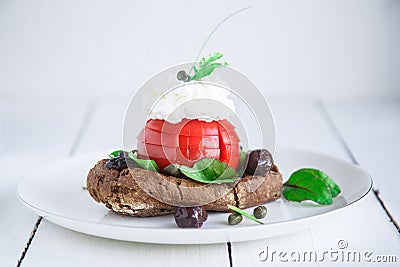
x,y
248,215
194,174
115,153
310,184
209,170
146,164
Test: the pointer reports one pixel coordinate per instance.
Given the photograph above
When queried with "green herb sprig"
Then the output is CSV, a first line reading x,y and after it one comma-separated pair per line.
x,y
310,184
212,33
206,67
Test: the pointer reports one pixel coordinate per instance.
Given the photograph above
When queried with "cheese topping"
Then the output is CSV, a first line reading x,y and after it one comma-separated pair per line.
x,y
192,100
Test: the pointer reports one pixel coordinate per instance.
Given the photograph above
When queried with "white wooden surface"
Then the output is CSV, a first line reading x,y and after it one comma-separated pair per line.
x,y
33,131
371,130
32,134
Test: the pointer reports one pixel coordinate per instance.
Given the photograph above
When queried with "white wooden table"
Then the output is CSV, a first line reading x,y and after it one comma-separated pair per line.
x,y
36,133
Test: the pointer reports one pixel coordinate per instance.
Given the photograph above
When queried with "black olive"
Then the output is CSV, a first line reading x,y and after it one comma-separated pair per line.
x,y
260,162
190,217
121,162
118,163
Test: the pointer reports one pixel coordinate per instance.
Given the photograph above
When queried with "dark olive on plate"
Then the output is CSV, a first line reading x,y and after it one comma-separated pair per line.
x,y
260,212
235,218
190,217
260,162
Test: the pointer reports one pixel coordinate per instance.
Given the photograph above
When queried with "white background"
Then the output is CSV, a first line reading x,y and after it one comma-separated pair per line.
x,y
107,49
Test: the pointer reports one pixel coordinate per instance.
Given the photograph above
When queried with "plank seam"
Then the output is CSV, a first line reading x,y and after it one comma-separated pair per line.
x,y
84,125
35,227
229,245
82,128
392,220
335,130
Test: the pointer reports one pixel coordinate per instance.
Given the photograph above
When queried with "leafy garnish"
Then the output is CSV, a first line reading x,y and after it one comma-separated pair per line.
x,y
310,184
248,215
333,187
115,153
206,67
209,170
146,164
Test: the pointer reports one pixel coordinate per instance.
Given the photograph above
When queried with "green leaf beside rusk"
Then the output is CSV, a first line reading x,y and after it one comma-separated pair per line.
x,y
115,153
248,215
333,187
146,164
206,67
209,170
310,184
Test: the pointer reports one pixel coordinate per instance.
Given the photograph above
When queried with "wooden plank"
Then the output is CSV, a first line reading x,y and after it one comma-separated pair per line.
x,y
57,246
371,130
366,226
54,245
105,129
32,134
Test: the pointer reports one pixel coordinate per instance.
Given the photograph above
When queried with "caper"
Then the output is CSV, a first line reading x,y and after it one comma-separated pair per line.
x,y
182,76
260,212
235,218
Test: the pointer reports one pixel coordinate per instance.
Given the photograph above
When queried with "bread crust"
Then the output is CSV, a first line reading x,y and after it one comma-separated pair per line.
x,y
122,193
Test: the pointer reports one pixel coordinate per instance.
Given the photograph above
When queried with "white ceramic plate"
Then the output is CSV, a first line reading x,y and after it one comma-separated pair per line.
x,y
55,192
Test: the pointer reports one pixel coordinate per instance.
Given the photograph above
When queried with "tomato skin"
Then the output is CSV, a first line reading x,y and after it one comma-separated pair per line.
x,y
150,136
188,141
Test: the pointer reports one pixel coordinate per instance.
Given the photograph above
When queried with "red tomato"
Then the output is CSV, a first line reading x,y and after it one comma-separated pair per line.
x,y
188,141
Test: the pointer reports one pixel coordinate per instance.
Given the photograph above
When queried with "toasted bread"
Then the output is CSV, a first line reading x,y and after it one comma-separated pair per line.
x,y
122,193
